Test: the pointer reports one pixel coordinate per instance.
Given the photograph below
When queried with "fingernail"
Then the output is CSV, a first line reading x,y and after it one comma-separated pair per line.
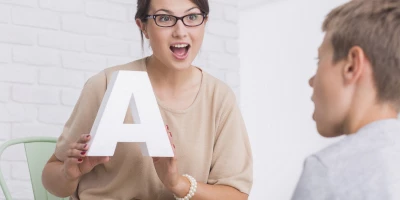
x,y
83,152
80,160
170,134
173,146
167,127
87,136
84,146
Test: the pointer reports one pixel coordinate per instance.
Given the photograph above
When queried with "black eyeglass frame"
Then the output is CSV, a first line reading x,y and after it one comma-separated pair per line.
x,y
177,19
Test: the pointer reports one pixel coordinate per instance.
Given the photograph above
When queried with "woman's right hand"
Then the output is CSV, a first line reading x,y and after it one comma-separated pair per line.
x,y
77,164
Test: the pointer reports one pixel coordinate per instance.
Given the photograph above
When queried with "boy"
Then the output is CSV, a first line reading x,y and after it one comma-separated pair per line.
x,y
357,93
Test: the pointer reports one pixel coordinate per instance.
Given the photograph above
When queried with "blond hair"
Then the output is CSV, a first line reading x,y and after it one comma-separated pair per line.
x,y
374,26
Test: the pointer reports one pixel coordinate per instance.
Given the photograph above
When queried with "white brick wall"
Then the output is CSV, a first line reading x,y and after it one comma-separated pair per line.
x,y
35,17
71,6
49,48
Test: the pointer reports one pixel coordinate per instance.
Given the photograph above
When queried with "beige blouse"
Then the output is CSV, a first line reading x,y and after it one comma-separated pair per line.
x,y
211,142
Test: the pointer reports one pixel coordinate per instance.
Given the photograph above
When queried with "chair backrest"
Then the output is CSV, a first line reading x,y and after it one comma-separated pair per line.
x,y
38,150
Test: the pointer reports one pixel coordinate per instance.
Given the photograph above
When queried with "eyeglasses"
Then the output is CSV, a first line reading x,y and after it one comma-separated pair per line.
x,y
190,20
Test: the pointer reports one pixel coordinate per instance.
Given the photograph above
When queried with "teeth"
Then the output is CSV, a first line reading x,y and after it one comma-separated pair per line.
x,y
180,45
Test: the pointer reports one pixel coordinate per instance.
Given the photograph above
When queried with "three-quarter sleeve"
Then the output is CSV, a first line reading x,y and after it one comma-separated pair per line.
x,y
232,163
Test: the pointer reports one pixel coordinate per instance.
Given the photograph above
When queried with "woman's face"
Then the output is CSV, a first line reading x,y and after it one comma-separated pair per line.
x,y
176,46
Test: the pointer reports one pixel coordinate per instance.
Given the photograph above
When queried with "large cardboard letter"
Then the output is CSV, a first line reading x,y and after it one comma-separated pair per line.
x,y
129,89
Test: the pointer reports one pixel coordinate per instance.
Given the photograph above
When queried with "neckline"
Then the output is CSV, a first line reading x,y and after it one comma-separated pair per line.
x,y
194,103
383,125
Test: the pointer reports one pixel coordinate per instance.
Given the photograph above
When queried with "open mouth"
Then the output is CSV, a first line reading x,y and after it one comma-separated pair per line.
x,y
180,51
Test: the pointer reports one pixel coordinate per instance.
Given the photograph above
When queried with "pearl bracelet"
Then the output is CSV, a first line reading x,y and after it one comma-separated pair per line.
x,y
192,190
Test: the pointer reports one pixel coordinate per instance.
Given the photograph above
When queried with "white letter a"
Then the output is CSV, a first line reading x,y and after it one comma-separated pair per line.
x,y
133,89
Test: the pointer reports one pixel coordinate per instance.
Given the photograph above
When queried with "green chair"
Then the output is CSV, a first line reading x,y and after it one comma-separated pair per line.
x,y
38,150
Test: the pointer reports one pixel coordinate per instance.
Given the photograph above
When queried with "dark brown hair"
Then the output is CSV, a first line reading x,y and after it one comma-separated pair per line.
x,y
374,26
143,7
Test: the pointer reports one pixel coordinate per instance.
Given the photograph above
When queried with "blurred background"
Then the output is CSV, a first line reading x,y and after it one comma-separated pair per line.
x,y
279,42
264,49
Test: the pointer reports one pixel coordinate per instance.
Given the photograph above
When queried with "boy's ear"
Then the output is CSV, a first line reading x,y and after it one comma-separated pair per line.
x,y
355,65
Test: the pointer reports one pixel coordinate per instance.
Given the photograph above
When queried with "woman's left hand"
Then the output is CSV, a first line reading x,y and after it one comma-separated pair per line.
x,y
167,171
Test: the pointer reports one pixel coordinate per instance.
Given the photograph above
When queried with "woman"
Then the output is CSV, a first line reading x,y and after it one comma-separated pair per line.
x,y
208,135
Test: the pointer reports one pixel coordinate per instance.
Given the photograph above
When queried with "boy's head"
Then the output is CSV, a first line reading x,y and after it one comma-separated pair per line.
x,y
359,64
